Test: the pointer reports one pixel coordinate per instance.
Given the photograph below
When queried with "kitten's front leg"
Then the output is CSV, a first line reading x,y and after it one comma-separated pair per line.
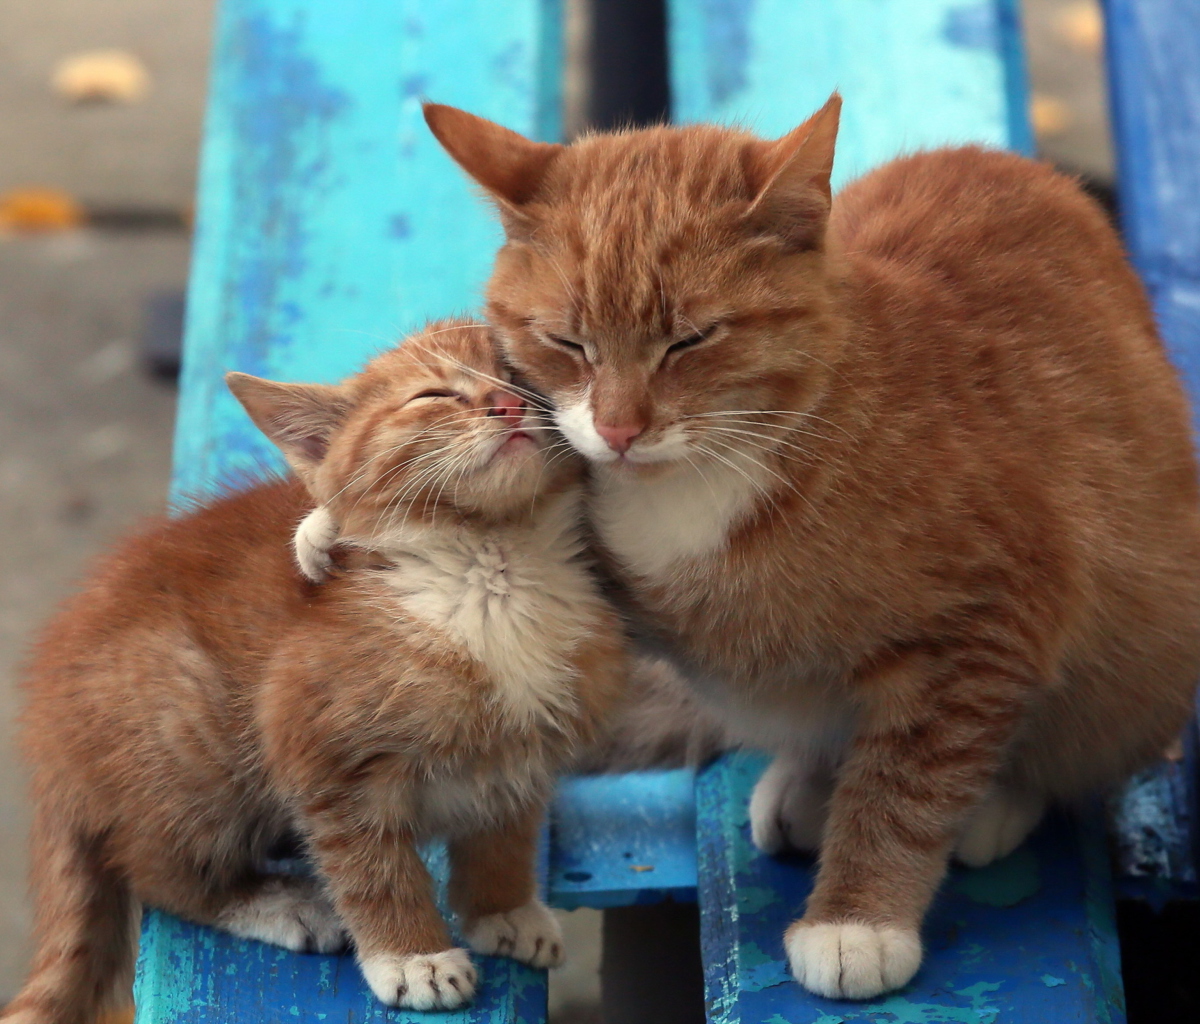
x,y
314,537
925,756
493,889
383,893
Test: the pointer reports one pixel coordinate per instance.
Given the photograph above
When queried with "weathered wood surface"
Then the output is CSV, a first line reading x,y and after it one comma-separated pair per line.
x,y
1028,940
617,840
913,73
330,222
1154,87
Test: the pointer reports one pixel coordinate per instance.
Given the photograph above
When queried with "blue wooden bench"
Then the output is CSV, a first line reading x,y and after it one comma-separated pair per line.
x,y
330,223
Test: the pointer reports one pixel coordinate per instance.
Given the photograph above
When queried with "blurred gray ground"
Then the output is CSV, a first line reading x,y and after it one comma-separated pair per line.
x,y
86,435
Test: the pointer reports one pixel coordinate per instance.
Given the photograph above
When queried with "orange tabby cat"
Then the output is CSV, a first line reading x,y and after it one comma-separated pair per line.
x,y
903,481
199,698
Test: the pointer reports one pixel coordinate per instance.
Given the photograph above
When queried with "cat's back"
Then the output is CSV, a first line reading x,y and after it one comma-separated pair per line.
x,y
199,593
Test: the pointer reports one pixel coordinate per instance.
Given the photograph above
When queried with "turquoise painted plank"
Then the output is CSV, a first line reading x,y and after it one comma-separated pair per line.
x,y
188,974
914,73
330,222
1028,940
616,840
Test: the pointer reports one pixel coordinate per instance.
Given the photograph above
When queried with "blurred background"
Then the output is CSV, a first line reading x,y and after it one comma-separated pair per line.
x,y
100,117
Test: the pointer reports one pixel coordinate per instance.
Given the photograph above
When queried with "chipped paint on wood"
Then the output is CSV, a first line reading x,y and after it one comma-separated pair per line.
x,y
990,938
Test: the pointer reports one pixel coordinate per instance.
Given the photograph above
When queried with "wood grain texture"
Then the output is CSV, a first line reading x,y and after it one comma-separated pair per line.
x,y
913,73
1028,939
1154,90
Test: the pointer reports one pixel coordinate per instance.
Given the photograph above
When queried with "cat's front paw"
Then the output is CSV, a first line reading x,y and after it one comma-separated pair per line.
x,y
997,827
422,981
314,537
290,912
844,960
530,934
788,808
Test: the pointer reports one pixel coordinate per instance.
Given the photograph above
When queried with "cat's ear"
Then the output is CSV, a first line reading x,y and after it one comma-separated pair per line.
x,y
299,418
510,166
791,178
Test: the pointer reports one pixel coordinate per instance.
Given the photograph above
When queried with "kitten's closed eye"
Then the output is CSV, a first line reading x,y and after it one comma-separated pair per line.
x,y
439,393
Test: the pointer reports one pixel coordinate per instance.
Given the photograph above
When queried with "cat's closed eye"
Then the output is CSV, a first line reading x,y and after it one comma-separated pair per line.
x,y
565,343
693,339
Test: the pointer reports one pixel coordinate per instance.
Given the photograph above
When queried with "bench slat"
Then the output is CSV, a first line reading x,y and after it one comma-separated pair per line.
x,y
914,73
617,840
1028,939
329,223
1154,78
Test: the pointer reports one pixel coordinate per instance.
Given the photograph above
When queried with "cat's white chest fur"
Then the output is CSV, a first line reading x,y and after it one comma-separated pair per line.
x,y
652,524
517,599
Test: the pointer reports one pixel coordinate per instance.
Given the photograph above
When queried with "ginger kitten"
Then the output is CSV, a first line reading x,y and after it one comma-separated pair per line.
x,y
198,698
903,481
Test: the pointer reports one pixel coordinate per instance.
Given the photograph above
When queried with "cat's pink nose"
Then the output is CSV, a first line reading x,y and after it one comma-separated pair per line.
x,y
507,406
618,438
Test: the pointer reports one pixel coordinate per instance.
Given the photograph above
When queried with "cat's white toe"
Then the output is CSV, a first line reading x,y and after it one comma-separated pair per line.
x,y
422,981
289,912
851,961
316,534
997,827
788,808
530,934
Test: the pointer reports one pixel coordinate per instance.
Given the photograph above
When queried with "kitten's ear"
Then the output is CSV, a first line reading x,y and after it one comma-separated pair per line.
x,y
792,175
299,418
510,166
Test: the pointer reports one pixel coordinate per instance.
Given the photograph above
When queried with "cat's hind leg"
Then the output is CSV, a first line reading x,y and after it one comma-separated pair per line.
x,y
85,929
998,826
789,806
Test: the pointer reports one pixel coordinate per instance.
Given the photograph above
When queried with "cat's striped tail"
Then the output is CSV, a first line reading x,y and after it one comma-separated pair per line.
x,y
85,921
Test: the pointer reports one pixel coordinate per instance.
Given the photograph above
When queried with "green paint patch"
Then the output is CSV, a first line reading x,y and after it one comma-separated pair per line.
x,y
758,970
752,899
1050,981
905,1011
1003,884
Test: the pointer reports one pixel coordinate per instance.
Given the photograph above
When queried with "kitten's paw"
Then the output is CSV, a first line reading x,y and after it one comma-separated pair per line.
x,y
422,981
788,808
289,912
997,827
530,934
316,534
851,961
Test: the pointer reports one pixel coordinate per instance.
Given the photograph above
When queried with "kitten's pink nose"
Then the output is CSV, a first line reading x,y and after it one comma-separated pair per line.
x,y
618,438
507,406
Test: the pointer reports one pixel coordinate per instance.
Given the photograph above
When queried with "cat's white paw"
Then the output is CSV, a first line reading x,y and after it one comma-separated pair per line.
x,y
530,934
316,534
788,808
851,961
422,981
289,912
997,827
